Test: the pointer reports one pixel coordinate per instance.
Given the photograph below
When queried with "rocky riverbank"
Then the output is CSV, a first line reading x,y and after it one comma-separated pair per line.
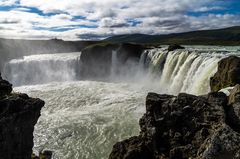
x,y
188,126
18,115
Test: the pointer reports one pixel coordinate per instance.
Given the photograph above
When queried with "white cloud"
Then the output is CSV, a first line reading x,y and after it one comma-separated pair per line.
x,y
206,9
103,18
7,2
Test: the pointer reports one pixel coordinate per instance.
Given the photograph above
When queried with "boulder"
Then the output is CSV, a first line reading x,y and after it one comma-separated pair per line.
x,y
227,74
182,127
173,47
18,115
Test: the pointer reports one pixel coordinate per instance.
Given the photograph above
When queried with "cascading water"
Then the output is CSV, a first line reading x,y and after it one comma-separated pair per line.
x,y
186,70
83,119
114,64
38,69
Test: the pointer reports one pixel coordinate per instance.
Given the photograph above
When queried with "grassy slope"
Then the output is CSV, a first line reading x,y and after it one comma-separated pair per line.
x,y
227,36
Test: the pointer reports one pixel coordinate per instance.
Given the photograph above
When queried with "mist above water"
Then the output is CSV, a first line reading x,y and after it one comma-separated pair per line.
x,y
172,72
39,69
83,119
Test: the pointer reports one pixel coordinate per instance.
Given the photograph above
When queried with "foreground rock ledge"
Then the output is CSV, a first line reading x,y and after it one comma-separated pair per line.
x,y
184,126
18,115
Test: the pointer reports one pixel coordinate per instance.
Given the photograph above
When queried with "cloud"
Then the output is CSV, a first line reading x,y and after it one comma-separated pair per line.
x,y
206,9
7,2
113,23
94,19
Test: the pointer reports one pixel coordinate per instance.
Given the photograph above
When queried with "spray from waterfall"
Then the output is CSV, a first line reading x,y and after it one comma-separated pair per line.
x,y
39,69
170,72
114,64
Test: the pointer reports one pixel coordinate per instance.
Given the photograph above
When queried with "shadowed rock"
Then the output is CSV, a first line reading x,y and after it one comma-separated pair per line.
x,y
97,60
5,87
182,127
174,47
18,115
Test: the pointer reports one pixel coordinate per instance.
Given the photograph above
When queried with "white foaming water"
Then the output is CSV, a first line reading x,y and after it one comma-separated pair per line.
x,y
37,69
187,70
82,120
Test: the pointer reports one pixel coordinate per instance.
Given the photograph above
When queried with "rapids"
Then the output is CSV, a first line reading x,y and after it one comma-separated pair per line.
x,y
83,119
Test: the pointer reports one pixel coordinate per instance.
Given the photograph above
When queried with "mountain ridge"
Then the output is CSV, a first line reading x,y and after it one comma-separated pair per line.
x,y
224,36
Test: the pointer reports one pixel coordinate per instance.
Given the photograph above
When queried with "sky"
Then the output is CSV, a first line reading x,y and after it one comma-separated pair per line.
x,y
98,19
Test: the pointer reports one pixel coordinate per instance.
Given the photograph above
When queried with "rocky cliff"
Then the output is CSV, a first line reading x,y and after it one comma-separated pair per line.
x,y
227,74
97,60
18,115
184,126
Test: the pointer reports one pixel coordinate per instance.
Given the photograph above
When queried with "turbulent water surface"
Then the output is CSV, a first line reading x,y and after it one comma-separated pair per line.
x,y
83,119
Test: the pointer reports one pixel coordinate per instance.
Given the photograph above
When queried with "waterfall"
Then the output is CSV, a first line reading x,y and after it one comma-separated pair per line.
x,y
185,70
114,67
44,68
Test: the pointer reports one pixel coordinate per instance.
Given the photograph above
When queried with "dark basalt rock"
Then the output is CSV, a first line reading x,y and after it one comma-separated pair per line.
x,y
127,51
227,74
174,47
182,127
96,61
18,115
5,87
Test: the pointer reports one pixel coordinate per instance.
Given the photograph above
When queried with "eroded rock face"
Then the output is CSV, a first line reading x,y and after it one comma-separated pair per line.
x,y
227,74
18,115
97,61
182,127
127,51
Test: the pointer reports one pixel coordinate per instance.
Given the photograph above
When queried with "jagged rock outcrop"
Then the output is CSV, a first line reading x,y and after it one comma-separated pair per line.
x,y
18,115
182,127
173,47
227,74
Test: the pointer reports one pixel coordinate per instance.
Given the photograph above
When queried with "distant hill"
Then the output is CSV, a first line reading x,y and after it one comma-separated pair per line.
x,y
226,36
